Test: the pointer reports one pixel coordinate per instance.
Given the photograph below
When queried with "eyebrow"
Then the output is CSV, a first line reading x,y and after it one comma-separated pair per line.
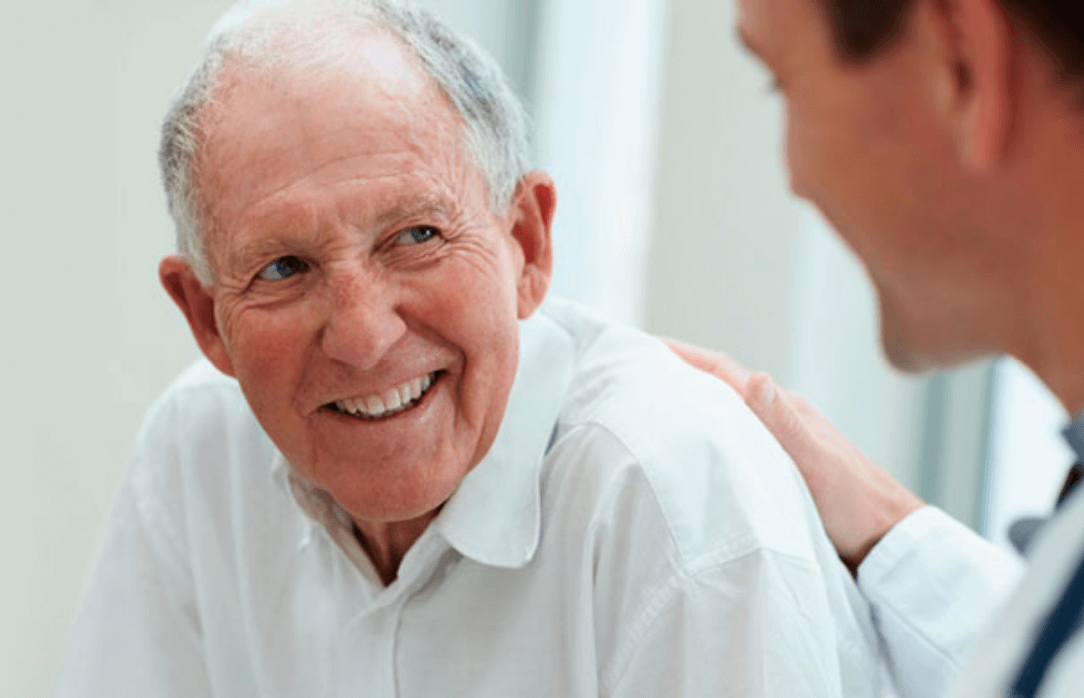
x,y
239,259
243,255
428,206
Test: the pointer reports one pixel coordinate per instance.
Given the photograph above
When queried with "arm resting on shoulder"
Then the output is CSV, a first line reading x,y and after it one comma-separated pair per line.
x,y
858,501
931,582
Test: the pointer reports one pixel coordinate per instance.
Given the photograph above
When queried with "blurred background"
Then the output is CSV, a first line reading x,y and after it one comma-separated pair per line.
x,y
674,216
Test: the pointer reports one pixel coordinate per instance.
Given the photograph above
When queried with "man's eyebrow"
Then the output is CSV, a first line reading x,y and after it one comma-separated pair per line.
x,y
429,206
239,258
282,244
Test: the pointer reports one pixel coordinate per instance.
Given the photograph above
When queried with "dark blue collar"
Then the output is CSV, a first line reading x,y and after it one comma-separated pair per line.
x,y
1067,615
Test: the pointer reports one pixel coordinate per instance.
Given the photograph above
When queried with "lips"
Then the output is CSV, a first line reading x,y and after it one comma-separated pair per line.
x,y
392,402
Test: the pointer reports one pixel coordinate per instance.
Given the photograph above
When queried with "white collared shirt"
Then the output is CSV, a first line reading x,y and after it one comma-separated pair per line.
x,y
934,586
939,593
634,531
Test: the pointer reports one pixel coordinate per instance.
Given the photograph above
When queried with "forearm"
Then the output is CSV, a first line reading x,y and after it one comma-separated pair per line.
x,y
933,585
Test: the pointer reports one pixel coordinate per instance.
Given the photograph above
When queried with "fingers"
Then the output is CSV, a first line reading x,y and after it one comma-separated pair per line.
x,y
716,363
773,406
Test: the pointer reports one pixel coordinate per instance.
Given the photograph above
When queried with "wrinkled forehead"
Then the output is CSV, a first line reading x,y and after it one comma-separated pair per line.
x,y
270,124
370,72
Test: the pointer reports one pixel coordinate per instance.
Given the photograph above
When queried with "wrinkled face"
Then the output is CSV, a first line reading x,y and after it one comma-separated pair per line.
x,y
365,294
871,146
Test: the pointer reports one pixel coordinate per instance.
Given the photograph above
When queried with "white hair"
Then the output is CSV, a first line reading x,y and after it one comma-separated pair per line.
x,y
317,35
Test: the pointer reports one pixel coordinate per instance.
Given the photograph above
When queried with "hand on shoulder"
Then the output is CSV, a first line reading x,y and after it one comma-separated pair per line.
x,y
858,500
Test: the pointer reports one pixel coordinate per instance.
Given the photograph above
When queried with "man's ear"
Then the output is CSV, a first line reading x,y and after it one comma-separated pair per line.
x,y
978,65
531,212
198,306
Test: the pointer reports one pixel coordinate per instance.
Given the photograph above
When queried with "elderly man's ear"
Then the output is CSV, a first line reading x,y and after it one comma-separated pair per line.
x,y
198,306
531,216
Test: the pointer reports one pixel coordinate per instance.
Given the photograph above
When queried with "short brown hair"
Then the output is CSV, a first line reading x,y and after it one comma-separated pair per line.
x,y
863,28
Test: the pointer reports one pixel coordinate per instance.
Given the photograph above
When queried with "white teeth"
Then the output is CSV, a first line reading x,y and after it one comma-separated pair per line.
x,y
374,406
392,402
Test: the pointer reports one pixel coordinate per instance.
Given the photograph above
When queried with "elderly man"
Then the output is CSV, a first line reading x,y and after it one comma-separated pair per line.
x,y
945,140
420,484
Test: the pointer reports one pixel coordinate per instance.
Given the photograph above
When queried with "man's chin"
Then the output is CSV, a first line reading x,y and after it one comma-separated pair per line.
x,y
910,346
905,358
908,341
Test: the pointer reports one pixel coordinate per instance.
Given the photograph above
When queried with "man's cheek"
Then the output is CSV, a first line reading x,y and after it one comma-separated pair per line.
x,y
273,358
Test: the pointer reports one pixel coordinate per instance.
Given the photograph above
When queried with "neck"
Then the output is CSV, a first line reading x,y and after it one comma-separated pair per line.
x,y
1051,340
1060,365
386,543
1045,210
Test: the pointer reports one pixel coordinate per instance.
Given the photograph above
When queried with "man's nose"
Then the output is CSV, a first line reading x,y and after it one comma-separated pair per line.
x,y
364,322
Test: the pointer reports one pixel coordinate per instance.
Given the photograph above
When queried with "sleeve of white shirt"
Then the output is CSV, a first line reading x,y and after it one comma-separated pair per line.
x,y
738,629
137,632
933,585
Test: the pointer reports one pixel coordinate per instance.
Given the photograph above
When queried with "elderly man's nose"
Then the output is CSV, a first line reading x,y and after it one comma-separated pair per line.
x,y
363,325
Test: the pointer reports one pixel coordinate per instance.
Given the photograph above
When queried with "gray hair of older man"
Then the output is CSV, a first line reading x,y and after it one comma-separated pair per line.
x,y
316,36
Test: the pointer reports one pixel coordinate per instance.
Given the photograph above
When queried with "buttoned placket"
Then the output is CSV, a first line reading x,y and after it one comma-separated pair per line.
x,y
373,632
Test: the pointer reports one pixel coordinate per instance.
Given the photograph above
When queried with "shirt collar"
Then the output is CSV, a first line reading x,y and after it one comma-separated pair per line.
x,y
1074,434
495,515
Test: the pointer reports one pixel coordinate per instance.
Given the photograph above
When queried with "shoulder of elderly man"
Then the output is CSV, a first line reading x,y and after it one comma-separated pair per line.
x,y
719,515
931,582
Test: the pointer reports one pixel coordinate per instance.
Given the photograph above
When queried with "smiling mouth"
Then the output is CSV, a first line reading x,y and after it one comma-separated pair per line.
x,y
371,408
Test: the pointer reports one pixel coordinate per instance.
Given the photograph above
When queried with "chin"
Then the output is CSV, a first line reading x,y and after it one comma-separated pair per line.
x,y
904,343
914,346
395,500
904,357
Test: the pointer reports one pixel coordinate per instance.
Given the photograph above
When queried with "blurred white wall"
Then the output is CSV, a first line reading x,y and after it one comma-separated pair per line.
x,y
598,82
89,337
723,255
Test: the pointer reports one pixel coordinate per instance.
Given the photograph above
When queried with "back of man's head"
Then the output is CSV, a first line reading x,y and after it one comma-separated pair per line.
x,y
862,28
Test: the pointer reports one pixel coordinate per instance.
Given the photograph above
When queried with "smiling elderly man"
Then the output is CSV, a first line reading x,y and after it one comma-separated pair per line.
x,y
419,483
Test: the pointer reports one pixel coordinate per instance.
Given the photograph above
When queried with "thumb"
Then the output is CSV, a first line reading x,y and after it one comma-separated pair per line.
x,y
771,406
716,363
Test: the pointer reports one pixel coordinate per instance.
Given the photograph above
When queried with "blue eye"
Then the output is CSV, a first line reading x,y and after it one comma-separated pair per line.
x,y
417,235
282,268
